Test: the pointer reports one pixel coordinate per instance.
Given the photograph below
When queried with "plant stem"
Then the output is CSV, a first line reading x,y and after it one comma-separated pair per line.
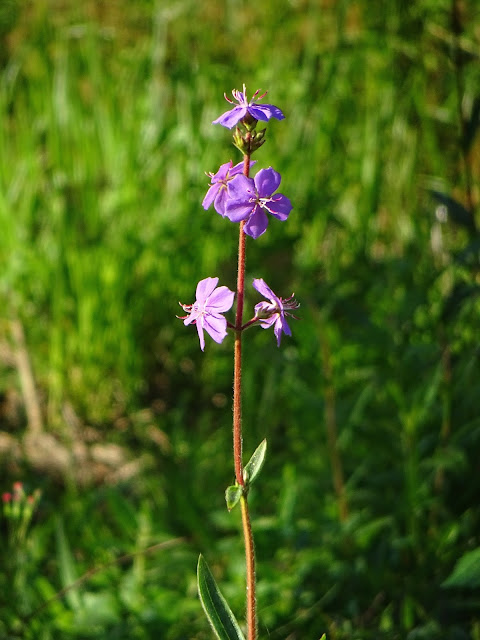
x,y
237,370
250,561
237,431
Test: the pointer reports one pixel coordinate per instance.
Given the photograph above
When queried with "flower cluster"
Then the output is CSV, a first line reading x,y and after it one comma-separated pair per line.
x,y
212,301
242,199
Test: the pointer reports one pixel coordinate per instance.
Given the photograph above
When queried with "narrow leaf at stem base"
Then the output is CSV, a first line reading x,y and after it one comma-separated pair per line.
x,y
218,612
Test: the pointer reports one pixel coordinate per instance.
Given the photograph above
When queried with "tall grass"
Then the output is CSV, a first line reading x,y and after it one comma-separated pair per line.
x,y
105,133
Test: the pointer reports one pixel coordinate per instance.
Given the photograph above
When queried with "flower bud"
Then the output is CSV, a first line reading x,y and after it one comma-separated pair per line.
x,y
264,310
239,141
249,122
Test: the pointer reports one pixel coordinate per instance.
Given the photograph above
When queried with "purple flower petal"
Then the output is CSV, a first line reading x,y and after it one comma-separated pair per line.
x,y
192,317
230,118
201,337
265,111
241,193
221,200
211,194
241,187
279,206
220,300
222,172
238,210
262,287
267,182
256,224
281,325
216,327
205,288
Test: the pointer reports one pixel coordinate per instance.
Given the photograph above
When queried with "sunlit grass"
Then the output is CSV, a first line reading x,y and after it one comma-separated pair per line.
x,y
105,135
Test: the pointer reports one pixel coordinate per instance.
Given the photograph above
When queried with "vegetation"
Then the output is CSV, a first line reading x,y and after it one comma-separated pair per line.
x,y
367,523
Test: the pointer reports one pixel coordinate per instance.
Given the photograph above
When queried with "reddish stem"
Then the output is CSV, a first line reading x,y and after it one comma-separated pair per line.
x,y
237,429
237,371
250,561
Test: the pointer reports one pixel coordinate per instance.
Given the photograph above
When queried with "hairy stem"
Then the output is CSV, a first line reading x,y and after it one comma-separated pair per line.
x,y
237,370
250,561
237,430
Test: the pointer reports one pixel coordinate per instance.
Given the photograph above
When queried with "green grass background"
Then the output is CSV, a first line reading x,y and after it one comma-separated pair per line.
x,y
370,491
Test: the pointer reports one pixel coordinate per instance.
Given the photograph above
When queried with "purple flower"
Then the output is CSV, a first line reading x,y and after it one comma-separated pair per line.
x,y
217,193
274,312
249,200
257,111
206,311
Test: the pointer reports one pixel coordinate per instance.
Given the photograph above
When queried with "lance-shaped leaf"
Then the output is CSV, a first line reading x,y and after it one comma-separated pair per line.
x,y
233,495
255,464
215,606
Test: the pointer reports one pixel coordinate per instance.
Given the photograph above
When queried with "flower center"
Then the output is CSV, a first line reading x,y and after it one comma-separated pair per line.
x,y
263,202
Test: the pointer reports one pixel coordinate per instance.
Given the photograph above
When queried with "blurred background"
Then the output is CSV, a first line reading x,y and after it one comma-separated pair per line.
x,y
366,516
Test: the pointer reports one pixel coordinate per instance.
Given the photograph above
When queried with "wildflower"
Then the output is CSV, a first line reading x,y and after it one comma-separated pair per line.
x,y
217,193
206,311
274,312
256,111
249,199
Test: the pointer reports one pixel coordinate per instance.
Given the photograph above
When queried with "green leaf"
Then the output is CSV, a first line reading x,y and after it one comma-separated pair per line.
x,y
66,563
215,606
466,572
255,464
233,495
